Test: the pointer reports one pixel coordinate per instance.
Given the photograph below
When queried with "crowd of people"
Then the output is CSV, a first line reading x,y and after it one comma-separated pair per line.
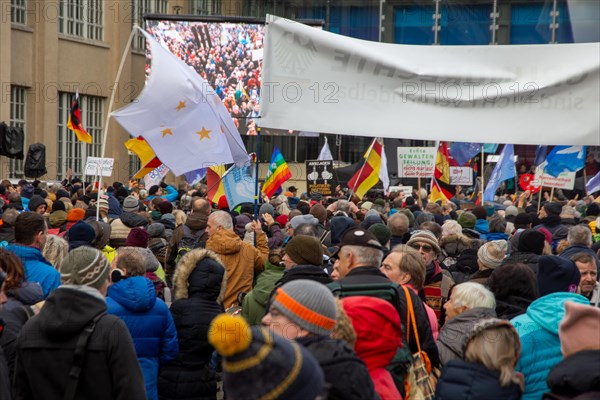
x,y
169,296
223,54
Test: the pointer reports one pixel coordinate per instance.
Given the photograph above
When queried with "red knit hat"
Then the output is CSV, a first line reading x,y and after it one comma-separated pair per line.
x,y
282,220
222,204
138,237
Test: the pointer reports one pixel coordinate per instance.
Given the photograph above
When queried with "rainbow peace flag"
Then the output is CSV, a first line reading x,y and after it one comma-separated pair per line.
x,y
278,173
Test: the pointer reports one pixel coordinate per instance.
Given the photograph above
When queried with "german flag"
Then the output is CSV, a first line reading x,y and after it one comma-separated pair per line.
x,y
146,155
74,122
442,171
437,193
368,175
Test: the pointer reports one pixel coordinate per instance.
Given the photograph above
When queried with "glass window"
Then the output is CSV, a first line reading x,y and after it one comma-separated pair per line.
x,y
18,102
81,18
465,25
205,7
414,24
581,20
530,23
72,153
18,11
141,7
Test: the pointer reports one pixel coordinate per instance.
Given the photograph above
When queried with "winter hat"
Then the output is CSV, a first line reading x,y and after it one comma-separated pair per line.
x,y
424,236
319,212
166,207
304,249
84,266
557,274
579,328
366,205
303,219
137,237
258,364
547,234
467,220
308,304
27,191
222,203
35,202
491,254
103,202
81,234
480,212
339,225
522,219
381,232
266,208
75,214
531,241
358,237
282,220
511,211
60,193
156,230
131,204
553,208
379,202
153,189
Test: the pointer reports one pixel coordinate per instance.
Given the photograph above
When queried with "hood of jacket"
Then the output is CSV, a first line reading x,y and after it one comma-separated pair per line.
x,y
133,220
57,218
224,241
454,332
454,244
240,224
481,226
68,309
576,374
28,294
200,273
549,310
496,236
511,307
135,293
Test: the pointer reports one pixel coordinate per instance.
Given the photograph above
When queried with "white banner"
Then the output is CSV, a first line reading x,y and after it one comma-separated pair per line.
x,y
461,176
407,190
565,180
416,162
315,80
96,166
155,176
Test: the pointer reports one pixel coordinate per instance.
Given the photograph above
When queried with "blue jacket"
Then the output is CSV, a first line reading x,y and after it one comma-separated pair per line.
x,y
481,226
171,195
150,324
37,268
540,345
114,208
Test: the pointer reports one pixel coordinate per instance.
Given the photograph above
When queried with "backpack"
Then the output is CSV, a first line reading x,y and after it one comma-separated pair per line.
x,y
189,241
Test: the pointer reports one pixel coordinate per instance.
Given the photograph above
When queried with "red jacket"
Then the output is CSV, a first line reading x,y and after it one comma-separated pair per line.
x,y
379,334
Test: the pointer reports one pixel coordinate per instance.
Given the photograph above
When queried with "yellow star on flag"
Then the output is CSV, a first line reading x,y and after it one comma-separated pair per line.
x,y
180,106
204,133
166,132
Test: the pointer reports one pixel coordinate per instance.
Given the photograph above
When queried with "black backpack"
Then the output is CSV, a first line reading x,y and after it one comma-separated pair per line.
x,y
189,241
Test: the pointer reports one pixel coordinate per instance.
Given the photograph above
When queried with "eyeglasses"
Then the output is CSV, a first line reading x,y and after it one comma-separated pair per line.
x,y
426,248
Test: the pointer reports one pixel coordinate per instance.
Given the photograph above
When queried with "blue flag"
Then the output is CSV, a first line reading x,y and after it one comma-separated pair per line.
x,y
195,176
490,148
463,152
505,169
540,154
238,184
593,185
565,159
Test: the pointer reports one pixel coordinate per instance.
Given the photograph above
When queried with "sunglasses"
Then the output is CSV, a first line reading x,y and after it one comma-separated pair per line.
x,y
426,248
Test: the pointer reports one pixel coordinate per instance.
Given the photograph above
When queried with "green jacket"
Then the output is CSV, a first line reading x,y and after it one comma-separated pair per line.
x,y
255,302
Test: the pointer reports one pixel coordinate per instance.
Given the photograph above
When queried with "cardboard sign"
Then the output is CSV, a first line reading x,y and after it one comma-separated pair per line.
x,y
99,166
461,176
319,177
416,162
407,190
565,180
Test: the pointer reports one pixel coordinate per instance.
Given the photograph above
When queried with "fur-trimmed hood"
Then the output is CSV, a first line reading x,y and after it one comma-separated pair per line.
x,y
454,244
200,273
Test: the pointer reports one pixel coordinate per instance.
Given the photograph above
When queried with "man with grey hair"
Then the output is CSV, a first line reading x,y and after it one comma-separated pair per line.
x,y
580,241
398,224
358,261
242,260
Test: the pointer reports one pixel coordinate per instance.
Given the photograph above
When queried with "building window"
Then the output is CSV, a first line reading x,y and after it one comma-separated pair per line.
x,y
18,99
18,11
134,163
72,153
81,18
205,7
140,8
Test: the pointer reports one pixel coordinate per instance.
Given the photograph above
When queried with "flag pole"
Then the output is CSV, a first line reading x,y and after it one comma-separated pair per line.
x,y
585,181
361,169
112,96
256,191
540,194
552,194
482,173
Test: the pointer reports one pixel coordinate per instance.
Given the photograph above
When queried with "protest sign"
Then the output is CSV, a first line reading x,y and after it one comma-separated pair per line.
x,y
416,162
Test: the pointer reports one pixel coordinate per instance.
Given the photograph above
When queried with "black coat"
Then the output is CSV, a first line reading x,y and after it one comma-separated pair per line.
x,y
345,373
47,341
7,234
461,380
576,375
511,307
310,272
363,275
199,281
522,257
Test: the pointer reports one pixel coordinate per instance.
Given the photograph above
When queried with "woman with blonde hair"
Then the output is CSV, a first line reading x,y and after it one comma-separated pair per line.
x,y
180,217
55,250
487,371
